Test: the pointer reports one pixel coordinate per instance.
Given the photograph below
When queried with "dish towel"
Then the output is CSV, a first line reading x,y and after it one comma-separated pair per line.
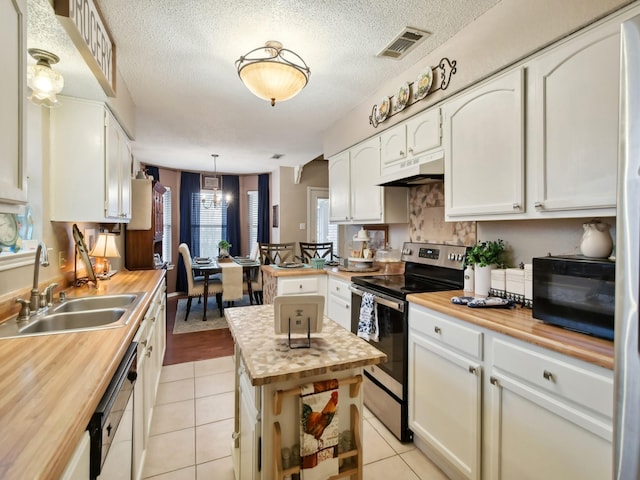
x,y
319,430
231,281
368,320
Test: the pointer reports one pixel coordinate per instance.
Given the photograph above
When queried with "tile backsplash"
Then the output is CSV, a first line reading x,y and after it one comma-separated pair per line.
x,y
426,218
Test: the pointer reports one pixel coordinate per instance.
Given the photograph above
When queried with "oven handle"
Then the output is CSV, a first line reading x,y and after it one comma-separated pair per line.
x,y
381,299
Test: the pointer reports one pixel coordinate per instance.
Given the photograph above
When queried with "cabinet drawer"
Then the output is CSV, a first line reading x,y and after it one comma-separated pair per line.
x,y
340,289
292,286
447,332
583,386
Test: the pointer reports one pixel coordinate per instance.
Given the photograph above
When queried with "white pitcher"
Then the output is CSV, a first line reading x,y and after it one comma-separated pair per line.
x,y
596,240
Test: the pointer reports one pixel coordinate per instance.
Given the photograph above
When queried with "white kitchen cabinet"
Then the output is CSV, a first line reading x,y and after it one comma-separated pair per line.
x,y
550,416
151,338
402,144
354,196
339,301
13,93
249,427
304,285
445,385
484,150
90,150
574,129
79,466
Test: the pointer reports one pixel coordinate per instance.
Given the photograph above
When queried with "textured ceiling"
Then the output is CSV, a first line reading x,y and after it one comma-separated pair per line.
x,y
177,59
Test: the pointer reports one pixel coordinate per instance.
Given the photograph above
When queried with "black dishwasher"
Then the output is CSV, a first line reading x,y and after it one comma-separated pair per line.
x,y
108,415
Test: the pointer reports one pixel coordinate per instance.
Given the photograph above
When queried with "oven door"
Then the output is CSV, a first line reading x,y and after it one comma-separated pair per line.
x,y
392,325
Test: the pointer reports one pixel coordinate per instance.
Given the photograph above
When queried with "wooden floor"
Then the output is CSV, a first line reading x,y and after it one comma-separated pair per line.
x,y
190,347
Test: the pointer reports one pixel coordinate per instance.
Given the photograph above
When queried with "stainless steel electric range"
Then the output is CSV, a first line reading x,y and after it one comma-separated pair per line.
x,y
428,268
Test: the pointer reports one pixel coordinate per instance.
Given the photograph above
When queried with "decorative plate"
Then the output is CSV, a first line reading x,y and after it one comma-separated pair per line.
x,y
402,97
291,265
422,85
383,110
8,229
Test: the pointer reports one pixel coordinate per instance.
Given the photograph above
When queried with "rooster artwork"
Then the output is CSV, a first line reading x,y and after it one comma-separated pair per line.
x,y
319,427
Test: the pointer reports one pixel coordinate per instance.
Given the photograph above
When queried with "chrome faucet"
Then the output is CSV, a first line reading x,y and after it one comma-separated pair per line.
x,y
42,258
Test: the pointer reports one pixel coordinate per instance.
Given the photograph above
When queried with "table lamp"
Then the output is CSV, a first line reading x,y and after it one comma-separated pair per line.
x,y
104,249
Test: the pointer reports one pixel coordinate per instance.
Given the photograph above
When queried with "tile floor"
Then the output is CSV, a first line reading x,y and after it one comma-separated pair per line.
x,y
193,421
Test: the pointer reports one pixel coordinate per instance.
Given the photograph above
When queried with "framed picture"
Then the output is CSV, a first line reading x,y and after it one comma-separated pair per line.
x,y
379,235
274,216
210,182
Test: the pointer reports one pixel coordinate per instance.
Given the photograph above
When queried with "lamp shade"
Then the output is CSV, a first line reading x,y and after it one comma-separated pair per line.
x,y
278,75
44,82
105,246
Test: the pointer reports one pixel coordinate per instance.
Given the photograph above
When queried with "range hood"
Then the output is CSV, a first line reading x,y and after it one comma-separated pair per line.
x,y
428,168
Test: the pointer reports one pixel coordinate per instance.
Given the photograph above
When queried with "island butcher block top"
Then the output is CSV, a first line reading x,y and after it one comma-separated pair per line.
x,y
269,359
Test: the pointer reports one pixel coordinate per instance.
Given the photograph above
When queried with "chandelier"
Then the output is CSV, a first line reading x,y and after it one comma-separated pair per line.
x,y
213,183
276,74
44,82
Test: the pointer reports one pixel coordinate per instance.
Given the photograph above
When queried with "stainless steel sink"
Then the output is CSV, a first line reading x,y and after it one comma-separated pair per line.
x,y
84,304
76,315
72,321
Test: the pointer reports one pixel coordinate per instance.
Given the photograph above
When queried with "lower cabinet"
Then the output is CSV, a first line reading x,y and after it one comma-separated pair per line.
x,y
549,418
78,467
249,428
339,301
151,338
304,285
484,405
445,382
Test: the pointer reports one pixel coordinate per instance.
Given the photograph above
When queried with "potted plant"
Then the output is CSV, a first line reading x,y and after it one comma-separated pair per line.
x,y
484,256
223,248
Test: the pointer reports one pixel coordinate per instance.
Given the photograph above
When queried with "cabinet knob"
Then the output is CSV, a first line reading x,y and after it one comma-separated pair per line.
x,y
150,349
472,369
401,152
538,205
347,307
494,381
411,150
437,330
548,376
516,206
300,286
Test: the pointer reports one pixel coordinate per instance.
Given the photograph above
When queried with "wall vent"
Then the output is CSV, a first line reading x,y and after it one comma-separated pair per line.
x,y
404,42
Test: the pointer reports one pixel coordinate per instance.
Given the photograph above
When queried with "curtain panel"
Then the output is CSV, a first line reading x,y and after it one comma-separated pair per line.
x,y
189,184
264,209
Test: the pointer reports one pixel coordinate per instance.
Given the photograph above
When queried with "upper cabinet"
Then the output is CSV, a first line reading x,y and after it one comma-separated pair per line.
x,y
574,130
354,196
484,149
402,145
90,151
13,174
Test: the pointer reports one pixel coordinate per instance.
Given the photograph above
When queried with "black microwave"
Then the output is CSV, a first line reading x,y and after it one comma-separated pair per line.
x,y
575,292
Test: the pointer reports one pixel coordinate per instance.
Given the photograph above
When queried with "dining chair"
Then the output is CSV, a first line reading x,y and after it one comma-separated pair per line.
x,y
195,288
316,250
276,253
256,276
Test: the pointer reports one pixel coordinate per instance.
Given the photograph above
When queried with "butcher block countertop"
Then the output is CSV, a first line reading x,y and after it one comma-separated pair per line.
x,y
388,268
518,323
269,360
51,384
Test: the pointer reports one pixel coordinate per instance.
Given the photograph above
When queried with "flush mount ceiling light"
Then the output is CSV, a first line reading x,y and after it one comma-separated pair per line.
x,y
43,81
273,73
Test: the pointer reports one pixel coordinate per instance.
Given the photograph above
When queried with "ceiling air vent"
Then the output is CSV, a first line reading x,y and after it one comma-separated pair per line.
x,y
403,43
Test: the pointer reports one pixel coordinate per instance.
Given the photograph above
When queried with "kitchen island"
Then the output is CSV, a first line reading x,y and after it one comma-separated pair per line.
x,y
269,373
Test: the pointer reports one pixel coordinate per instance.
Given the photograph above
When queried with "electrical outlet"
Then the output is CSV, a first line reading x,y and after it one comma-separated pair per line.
x,y
303,226
62,260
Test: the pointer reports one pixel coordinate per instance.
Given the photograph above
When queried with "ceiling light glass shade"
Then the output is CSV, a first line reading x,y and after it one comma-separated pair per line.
x,y
43,81
273,73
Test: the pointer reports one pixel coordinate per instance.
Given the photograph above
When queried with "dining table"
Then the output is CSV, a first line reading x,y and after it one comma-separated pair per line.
x,y
206,267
